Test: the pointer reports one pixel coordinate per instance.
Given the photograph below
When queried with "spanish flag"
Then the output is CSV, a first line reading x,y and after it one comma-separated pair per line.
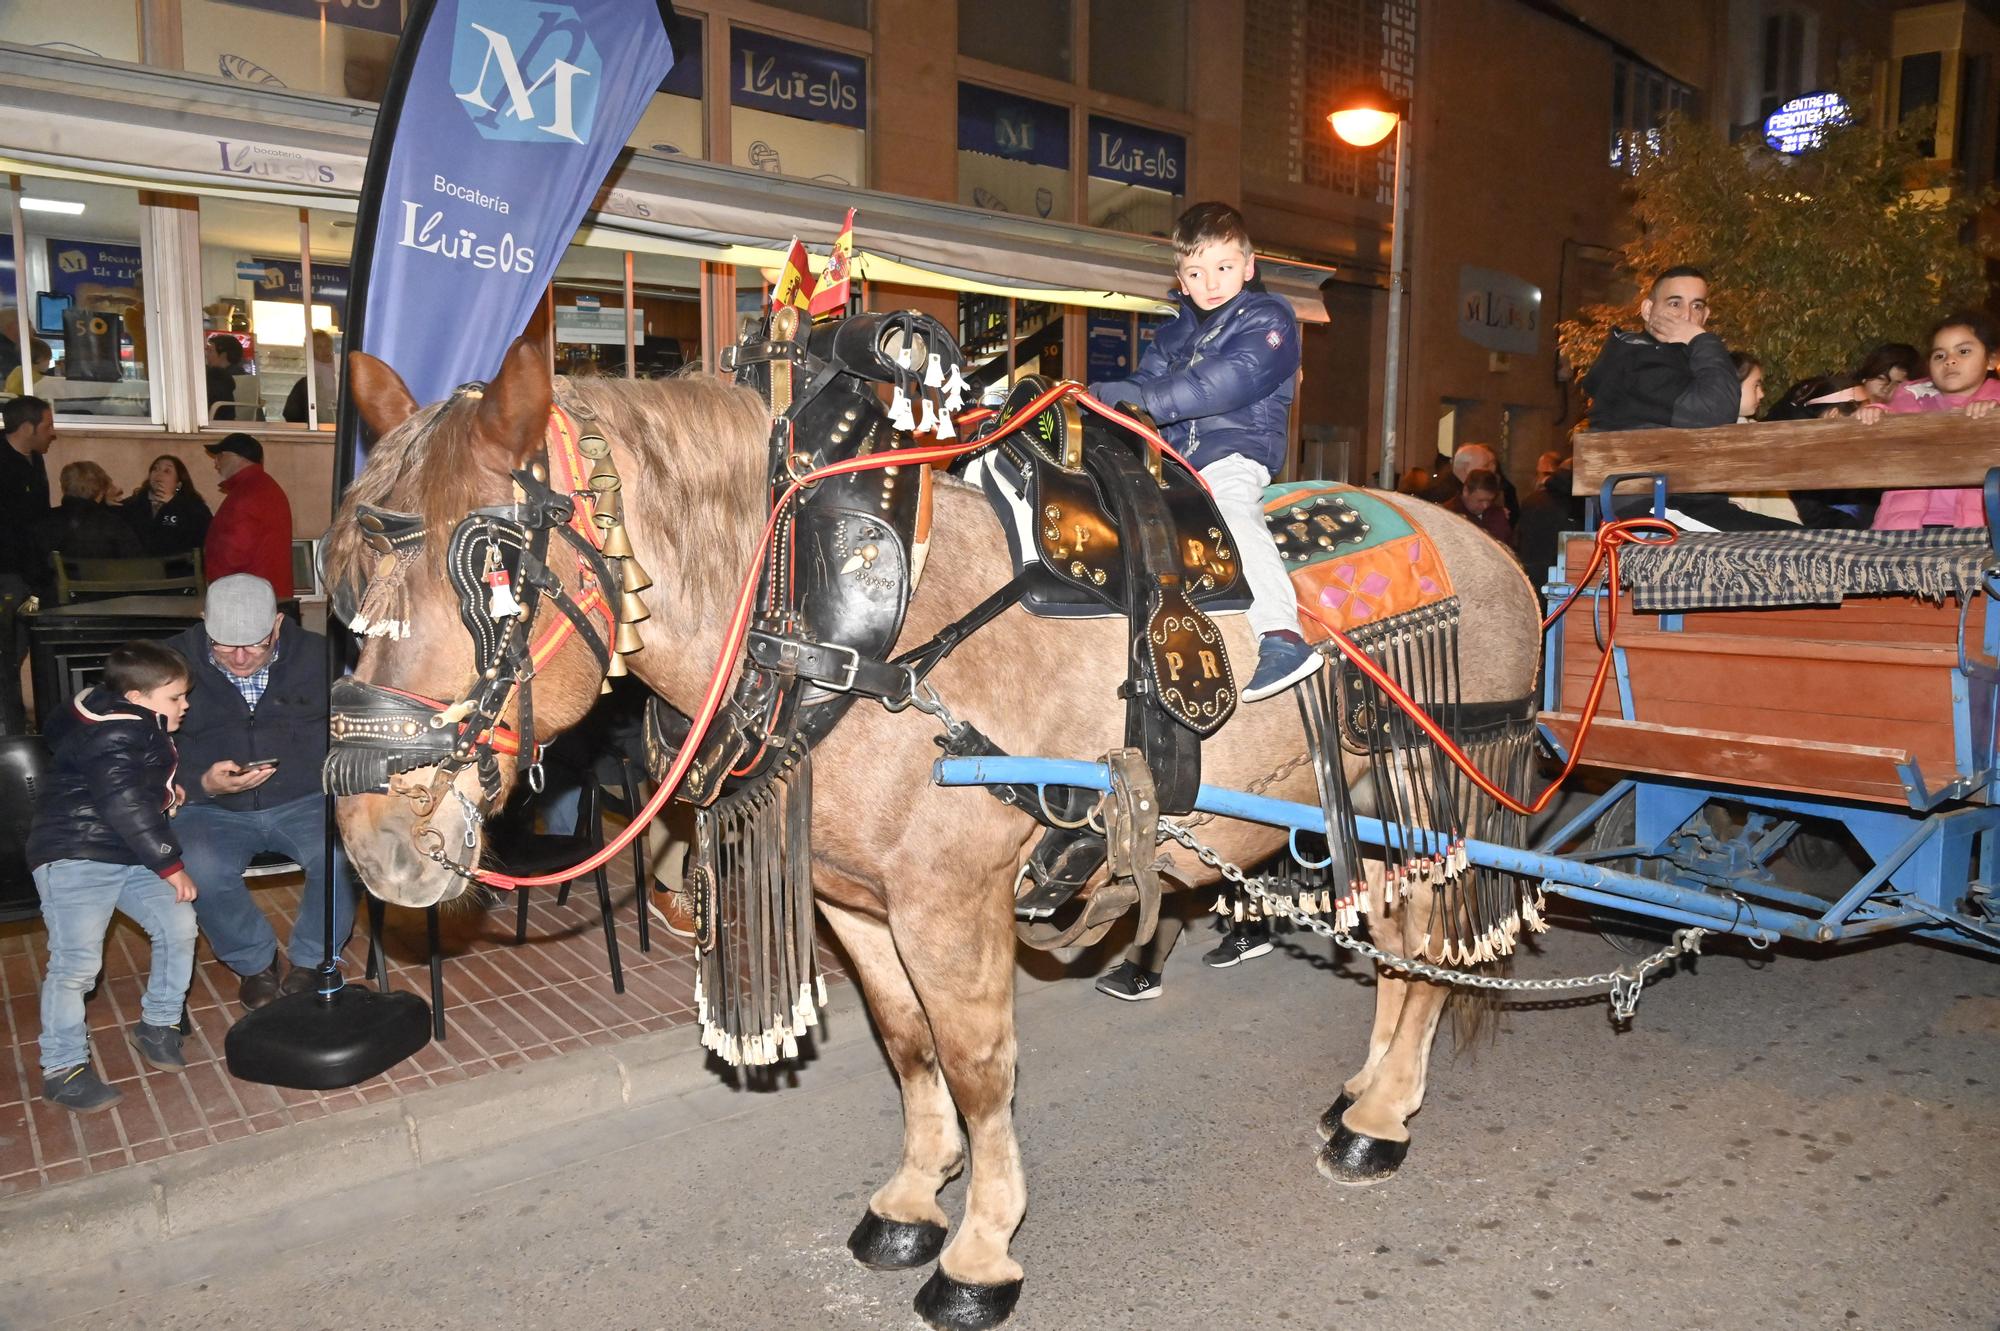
x,y
795,283
829,298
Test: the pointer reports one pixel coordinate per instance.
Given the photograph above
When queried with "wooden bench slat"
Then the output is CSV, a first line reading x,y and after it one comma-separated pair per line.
x,y
1839,771
1897,452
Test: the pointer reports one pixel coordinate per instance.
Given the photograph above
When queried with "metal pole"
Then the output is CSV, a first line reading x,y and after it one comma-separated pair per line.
x,y
631,352
24,336
1392,363
306,296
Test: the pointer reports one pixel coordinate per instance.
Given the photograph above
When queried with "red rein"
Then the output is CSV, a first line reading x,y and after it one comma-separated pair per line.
x,y
1608,539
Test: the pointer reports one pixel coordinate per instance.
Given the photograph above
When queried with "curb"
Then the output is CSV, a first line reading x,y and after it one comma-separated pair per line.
x,y
46,1233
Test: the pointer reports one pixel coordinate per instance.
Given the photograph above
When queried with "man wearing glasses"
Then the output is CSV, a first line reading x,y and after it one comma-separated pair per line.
x,y
251,749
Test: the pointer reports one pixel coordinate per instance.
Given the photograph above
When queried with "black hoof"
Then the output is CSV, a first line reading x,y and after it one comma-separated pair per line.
x,y
895,1245
952,1305
1329,1122
1356,1160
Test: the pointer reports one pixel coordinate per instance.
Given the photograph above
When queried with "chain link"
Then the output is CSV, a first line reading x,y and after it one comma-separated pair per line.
x,y
1625,984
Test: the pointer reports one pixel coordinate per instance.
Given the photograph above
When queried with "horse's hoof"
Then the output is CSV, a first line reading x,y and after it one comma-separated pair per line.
x,y
1355,1160
895,1245
1329,1122
953,1305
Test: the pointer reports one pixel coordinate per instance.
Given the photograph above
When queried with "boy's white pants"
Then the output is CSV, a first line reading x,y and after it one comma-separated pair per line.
x,y
1238,485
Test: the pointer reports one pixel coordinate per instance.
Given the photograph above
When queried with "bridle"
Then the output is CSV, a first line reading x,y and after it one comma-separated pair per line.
x,y
498,562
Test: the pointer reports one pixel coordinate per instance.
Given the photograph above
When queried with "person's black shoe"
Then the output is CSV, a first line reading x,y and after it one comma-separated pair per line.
x,y
79,1089
160,1046
299,980
1126,981
259,989
1250,938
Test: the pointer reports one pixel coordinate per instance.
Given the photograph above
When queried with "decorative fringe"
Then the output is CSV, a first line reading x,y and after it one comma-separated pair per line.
x,y
1421,797
384,611
758,986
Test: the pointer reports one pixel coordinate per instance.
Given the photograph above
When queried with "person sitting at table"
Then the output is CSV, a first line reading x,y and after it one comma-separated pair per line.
x,y
252,530
40,357
222,355
86,526
325,380
168,513
251,750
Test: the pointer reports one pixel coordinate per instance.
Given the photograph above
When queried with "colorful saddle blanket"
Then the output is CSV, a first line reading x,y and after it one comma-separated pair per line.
x,y
1353,558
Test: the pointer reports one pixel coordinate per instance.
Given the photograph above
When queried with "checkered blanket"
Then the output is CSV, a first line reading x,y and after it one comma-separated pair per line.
x,y
1722,570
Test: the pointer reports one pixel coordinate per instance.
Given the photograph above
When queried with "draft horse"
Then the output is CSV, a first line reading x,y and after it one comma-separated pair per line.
x,y
913,879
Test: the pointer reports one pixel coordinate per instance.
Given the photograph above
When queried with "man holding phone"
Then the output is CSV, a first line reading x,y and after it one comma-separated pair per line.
x,y
251,749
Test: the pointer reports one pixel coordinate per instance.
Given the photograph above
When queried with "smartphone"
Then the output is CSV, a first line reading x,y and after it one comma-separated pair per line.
x,y
258,764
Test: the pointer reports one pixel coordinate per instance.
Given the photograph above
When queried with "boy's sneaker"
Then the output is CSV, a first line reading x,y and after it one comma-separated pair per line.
x,y
1127,981
1251,938
79,1089
160,1046
1283,659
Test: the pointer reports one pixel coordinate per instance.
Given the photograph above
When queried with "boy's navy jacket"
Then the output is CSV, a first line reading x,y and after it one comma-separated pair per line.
x,y
109,789
1223,385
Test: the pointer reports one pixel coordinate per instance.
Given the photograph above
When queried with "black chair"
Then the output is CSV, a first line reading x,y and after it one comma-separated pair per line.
x,y
526,853
620,779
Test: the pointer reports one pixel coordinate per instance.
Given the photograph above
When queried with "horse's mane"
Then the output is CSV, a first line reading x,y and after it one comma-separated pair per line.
x,y
691,449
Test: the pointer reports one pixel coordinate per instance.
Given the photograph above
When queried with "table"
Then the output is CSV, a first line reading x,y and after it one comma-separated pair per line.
x,y
86,397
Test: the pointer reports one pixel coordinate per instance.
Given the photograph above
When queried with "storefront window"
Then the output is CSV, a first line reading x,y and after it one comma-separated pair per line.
x,y
107,29
1030,35
82,282
252,280
1013,154
667,292
672,124
1137,177
798,110
1004,339
1138,49
340,48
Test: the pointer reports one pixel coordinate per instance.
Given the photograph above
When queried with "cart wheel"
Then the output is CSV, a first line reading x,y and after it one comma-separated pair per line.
x,y
1634,935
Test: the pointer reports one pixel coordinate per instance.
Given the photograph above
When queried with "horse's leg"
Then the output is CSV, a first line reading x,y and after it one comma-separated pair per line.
x,y
904,1226
1371,1139
1389,989
962,963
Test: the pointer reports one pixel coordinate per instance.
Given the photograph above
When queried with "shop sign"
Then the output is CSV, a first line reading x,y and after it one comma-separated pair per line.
x,y
1136,155
1499,311
1108,347
279,279
1002,125
374,15
579,323
1798,125
793,79
90,272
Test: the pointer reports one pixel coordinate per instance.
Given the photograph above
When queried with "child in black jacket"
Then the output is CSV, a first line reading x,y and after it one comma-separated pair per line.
x,y
101,842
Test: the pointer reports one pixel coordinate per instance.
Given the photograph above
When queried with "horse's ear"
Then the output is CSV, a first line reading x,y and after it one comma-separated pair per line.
x,y
380,395
514,411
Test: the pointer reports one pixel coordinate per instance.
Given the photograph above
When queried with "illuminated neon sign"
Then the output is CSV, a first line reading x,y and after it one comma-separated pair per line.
x,y
1798,125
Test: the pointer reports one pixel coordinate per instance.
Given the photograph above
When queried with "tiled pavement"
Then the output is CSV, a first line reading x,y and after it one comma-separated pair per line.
x,y
504,1005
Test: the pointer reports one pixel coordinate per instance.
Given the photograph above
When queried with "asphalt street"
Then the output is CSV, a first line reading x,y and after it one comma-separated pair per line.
x,y
1781,1142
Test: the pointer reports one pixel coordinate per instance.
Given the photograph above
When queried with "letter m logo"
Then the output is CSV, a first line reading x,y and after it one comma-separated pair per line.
x,y
525,72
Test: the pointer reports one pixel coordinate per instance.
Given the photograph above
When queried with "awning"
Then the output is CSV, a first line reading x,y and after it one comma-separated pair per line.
x,y
114,123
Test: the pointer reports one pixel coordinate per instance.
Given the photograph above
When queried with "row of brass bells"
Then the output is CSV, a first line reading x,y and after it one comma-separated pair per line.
x,y
632,579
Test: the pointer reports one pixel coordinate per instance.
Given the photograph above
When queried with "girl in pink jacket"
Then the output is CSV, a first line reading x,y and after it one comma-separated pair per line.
x,y
1963,349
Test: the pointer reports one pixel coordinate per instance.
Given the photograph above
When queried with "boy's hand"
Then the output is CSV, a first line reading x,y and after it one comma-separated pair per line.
x,y
1977,410
1873,412
227,778
182,884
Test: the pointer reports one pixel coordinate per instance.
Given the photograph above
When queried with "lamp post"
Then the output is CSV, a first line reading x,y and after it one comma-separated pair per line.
x,y
1364,120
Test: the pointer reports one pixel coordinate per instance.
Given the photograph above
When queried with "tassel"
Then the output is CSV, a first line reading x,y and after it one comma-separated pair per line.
x,y
934,372
943,429
928,423
954,391
500,602
899,411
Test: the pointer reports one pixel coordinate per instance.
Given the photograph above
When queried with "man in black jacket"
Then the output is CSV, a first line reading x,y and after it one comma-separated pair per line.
x,y
1673,373
29,425
251,750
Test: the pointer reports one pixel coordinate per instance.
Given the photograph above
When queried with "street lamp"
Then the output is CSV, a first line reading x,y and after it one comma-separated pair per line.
x,y
1363,120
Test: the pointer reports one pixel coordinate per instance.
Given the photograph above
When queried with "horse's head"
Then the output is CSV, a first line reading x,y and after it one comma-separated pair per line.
x,y
454,559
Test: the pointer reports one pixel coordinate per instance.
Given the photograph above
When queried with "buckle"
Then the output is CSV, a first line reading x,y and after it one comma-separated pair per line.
x,y
829,665
852,665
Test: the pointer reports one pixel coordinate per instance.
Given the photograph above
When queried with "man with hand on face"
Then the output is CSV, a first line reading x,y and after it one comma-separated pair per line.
x,y
1674,372
259,695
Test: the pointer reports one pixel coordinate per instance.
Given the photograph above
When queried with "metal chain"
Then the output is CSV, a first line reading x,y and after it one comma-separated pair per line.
x,y
1625,984
1259,786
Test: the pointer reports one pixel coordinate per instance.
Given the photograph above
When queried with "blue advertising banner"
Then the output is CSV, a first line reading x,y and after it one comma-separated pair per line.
x,y
499,125
93,273
1136,155
278,279
1003,125
1107,347
374,15
793,79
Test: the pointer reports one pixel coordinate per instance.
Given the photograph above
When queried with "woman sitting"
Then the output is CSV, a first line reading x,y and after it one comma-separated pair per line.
x,y
168,514
86,527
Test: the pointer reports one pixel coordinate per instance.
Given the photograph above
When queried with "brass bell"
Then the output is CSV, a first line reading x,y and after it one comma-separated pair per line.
x,y
594,446
628,638
617,545
631,609
632,578
616,668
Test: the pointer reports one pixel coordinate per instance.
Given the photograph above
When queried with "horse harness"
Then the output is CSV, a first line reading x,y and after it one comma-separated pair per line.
x,y
498,562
